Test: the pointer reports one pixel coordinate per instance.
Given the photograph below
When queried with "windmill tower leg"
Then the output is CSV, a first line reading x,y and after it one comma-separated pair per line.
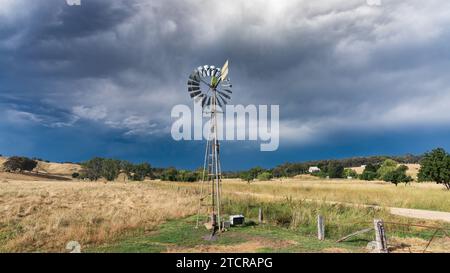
x,y
212,177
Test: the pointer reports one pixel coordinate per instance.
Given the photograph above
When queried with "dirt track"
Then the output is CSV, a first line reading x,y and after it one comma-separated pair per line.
x,y
422,214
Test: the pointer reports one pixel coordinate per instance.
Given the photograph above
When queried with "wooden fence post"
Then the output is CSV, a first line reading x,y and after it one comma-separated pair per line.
x,y
320,228
260,216
380,236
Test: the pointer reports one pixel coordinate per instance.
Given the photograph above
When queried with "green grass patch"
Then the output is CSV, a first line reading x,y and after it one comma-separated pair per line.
x,y
340,220
8,232
289,226
174,233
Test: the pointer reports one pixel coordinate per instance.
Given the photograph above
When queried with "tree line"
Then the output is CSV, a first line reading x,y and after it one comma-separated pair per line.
x,y
435,166
110,169
293,169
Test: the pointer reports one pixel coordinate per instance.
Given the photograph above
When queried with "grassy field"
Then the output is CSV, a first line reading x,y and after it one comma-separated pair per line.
x,y
415,195
44,216
154,216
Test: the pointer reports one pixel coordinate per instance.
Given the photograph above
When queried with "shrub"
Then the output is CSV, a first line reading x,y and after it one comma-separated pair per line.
x,y
75,175
265,176
350,173
368,175
169,174
188,176
16,163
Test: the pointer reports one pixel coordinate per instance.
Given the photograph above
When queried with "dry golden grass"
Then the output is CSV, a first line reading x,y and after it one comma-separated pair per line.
x,y
44,216
57,168
64,169
413,170
427,196
416,245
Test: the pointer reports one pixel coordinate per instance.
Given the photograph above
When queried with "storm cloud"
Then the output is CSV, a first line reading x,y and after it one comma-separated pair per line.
x,y
340,65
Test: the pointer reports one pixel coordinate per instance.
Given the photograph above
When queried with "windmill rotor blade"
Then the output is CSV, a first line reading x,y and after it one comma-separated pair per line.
x,y
205,70
195,83
218,101
217,73
224,71
199,97
204,101
193,89
223,100
195,94
228,91
195,77
224,95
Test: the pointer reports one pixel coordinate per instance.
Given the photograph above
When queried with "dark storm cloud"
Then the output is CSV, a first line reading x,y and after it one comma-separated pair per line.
x,y
330,65
60,40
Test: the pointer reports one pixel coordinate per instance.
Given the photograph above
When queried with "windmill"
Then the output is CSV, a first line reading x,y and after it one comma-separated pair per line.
x,y
212,87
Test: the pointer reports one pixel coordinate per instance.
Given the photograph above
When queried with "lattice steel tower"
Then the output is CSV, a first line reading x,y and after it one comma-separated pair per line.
x,y
212,87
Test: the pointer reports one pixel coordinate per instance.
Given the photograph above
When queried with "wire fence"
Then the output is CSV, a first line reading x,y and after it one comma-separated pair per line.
x,y
391,226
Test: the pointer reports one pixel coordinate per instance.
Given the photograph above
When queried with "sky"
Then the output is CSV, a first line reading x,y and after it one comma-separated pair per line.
x,y
351,77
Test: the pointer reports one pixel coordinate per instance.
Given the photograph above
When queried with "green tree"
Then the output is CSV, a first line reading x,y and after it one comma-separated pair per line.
x,y
92,169
368,175
254,172
335,170
388,166
371,168
350,173
435,166
110,169
397,176
128,168
246,176
169,174
370,172
141,171
265,176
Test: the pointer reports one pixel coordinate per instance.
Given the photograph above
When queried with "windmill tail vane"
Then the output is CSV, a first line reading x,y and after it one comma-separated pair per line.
x,y
212,87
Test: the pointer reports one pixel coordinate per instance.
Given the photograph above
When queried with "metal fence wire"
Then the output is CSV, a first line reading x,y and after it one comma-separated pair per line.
x,y
390,226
